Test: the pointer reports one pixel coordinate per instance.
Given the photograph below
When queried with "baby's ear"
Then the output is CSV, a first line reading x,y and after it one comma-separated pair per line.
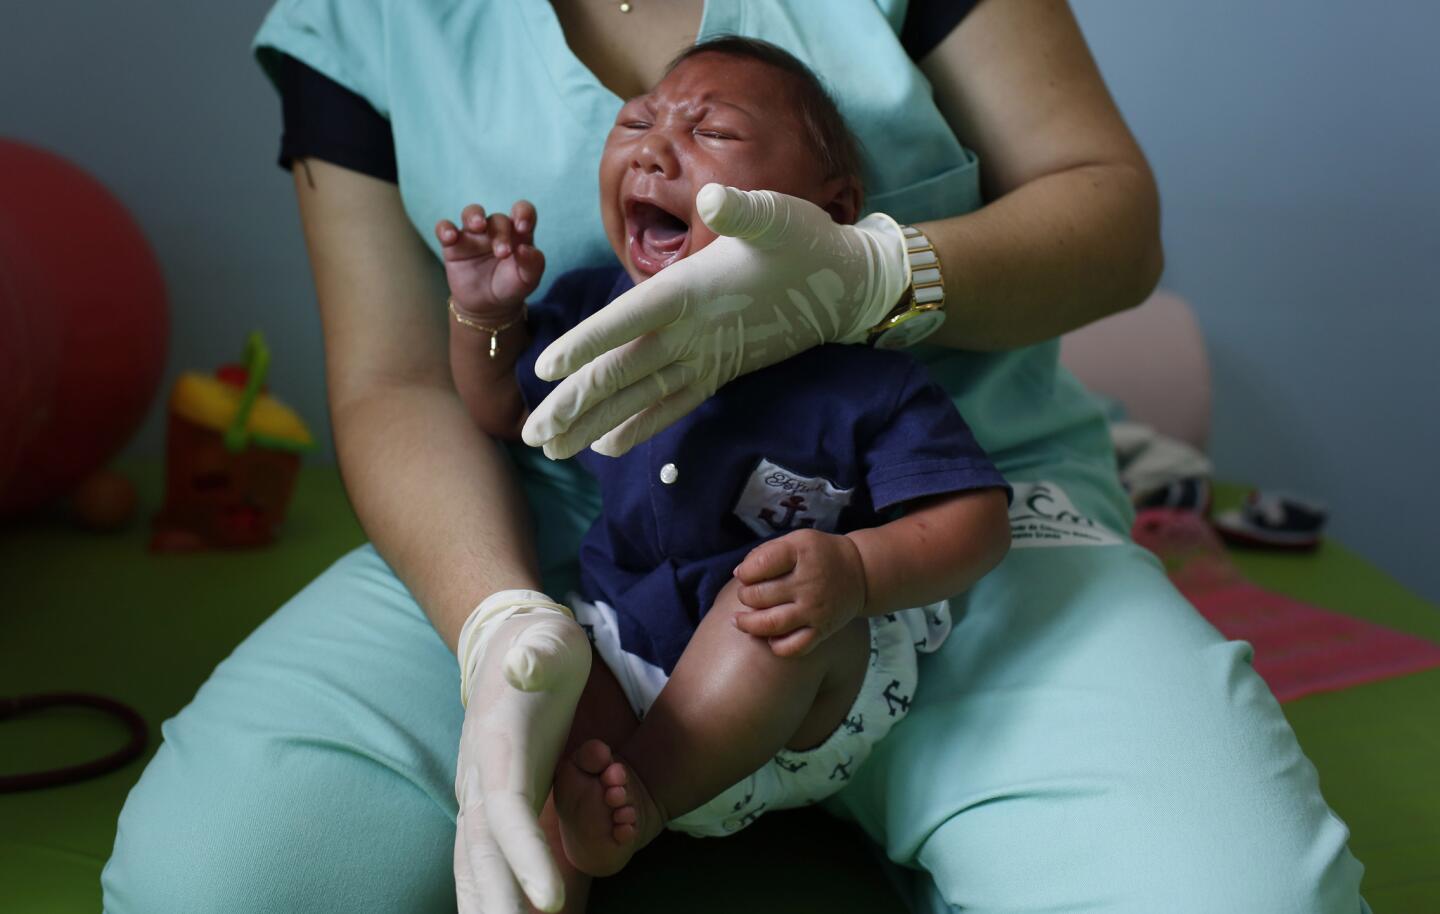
x,y
843,196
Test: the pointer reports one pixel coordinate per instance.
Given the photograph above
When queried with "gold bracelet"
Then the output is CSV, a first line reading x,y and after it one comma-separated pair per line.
x,y
493,331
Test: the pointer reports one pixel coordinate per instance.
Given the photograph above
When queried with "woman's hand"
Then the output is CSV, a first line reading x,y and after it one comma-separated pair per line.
x,y
803,588
524,662
783,277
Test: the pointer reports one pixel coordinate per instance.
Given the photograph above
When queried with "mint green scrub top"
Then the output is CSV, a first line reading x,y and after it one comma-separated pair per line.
x,y
488,104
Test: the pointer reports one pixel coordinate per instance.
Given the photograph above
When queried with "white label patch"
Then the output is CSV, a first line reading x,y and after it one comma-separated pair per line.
x,y
776,500
1041,514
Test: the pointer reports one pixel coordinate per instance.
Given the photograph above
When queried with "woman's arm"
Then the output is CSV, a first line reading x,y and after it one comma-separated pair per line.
x,y
431,491
1073,230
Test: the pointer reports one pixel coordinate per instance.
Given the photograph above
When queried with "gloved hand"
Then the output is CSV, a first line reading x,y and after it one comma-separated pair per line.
x,y
523,665
783,277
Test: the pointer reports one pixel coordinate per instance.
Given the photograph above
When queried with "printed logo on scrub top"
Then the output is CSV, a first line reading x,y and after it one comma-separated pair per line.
x,y
776,500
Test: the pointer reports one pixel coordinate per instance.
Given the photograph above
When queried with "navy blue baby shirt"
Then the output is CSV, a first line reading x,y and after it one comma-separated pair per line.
x,y
833,438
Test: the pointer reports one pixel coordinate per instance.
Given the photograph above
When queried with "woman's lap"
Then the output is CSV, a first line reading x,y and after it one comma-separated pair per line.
x,y
312,771
1083,742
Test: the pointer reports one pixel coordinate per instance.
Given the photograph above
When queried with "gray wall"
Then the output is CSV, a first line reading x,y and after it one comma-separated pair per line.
x,y
1297,146
161,101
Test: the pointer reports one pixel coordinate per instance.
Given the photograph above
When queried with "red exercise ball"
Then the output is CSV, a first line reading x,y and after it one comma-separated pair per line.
x,y
83,326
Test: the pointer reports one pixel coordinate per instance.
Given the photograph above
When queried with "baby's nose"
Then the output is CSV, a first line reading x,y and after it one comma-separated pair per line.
x,y
655,155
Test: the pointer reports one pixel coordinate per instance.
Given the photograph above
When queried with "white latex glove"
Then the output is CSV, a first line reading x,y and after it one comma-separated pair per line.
x,y
783,277
523,664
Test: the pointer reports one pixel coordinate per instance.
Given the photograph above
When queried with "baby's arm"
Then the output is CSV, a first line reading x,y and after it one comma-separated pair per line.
x,y
491,264
806,585
941,547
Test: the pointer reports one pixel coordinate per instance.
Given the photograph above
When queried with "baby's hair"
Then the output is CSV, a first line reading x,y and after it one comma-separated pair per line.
x,y
836,146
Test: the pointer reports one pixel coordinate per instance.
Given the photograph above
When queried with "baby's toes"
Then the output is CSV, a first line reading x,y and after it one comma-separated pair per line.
x,y
617,797
625,815
594,757
615,775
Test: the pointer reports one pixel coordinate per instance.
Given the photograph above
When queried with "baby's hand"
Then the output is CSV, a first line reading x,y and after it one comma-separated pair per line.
x,y
492,263
803,587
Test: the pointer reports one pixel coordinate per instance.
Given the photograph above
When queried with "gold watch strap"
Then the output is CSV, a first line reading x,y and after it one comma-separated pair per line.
x,y
927,283
921,308
476,325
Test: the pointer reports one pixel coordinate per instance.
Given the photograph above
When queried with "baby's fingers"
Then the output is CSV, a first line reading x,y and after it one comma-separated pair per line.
x,y
796,644
530,263
473,218
766,561
523,215
467,240
446,232
770,623
766,594
502,230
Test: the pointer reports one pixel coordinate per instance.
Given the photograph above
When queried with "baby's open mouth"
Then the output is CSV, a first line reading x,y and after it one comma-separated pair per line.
x,y
657,237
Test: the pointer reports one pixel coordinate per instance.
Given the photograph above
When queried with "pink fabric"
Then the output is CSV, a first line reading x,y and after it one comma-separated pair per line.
x,y
1299,649
1152,359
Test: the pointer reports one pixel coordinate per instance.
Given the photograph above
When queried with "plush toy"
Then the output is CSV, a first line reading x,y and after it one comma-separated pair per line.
x,y
83,329
232,453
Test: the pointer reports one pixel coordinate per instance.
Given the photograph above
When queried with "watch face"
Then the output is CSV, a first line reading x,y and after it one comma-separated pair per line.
x,y
910,329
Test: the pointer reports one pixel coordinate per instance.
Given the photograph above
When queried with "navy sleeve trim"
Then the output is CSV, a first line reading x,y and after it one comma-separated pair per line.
x,y
324,120
923,478
929,22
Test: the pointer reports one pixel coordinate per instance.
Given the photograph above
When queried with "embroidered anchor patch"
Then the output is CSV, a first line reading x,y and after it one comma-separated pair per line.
x,y
777,500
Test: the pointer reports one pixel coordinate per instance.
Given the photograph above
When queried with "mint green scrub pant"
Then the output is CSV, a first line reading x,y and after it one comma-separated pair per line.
x,y
1084,742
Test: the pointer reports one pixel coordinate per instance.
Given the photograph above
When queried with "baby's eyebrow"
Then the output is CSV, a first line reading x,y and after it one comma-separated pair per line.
x,y
741,108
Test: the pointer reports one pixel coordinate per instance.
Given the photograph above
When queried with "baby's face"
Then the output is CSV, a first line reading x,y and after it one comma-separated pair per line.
x,y
714,118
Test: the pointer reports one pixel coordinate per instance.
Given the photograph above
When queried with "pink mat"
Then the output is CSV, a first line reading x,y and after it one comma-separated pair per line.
x,y
1299,649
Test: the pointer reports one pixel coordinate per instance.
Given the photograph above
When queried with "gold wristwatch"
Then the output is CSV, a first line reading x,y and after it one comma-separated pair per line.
x,y
922,309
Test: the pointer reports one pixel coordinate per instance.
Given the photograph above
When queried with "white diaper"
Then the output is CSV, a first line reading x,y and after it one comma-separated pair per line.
x,y
791,778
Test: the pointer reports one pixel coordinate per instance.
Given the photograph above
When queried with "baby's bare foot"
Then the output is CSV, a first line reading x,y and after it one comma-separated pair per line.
x,y
605,812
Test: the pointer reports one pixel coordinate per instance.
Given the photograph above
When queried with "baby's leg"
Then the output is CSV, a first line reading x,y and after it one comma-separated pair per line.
x,y
730,705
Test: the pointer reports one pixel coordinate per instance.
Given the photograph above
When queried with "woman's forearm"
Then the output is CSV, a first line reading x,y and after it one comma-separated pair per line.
x,y
1071,232
436,497
1050,256
432,492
